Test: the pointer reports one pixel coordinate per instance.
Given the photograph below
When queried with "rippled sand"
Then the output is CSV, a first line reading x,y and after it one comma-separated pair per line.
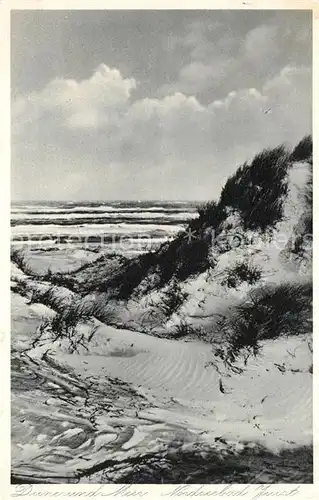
x,y
134,408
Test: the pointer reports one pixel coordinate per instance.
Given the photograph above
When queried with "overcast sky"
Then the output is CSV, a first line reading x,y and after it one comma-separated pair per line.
x,y
152,104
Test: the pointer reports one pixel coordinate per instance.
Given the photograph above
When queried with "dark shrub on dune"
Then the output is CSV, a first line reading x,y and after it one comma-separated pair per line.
x,y
181,258
303,150
192,257
61,279
268,313
242,272
210,214
257,190
127,279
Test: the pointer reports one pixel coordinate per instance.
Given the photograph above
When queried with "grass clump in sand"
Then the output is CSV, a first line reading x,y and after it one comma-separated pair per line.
x,y
185,329
49,296
71,313
74,322
268,313
17,255
172,299
61,279
241,272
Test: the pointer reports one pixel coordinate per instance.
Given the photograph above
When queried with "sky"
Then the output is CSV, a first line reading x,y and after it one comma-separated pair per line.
x,y
152,105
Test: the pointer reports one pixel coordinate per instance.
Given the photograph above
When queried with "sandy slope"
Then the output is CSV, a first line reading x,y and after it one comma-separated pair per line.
x,y
177,370
207,295
134,394
93,414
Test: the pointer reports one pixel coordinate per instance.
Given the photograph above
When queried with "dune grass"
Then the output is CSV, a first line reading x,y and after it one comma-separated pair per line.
x,y
69,319
241,272
257,190
17,255
303,150
268,313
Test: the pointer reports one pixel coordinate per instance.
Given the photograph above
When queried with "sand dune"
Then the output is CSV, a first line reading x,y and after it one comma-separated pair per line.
x,y
132,394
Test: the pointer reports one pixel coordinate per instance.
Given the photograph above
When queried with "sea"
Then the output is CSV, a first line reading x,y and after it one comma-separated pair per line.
x,y
125,226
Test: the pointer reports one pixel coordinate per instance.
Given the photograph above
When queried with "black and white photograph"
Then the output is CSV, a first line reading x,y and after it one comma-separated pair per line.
x,y
161,247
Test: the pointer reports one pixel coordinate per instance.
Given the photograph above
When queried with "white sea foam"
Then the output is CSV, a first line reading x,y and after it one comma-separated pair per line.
x,y
67,215
91,229
138,228
101,208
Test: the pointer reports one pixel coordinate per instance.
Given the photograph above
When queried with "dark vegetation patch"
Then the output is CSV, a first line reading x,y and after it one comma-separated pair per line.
x,y
184,329
198,466
60,279
178,259
17,255
258,190
241,272
303,150
107,257
268,313
210,215
19,287
90,275
173,298
122,283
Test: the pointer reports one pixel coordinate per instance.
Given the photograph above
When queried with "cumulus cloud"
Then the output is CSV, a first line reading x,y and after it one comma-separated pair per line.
x,y
87,103
221,61
260,43
92,136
